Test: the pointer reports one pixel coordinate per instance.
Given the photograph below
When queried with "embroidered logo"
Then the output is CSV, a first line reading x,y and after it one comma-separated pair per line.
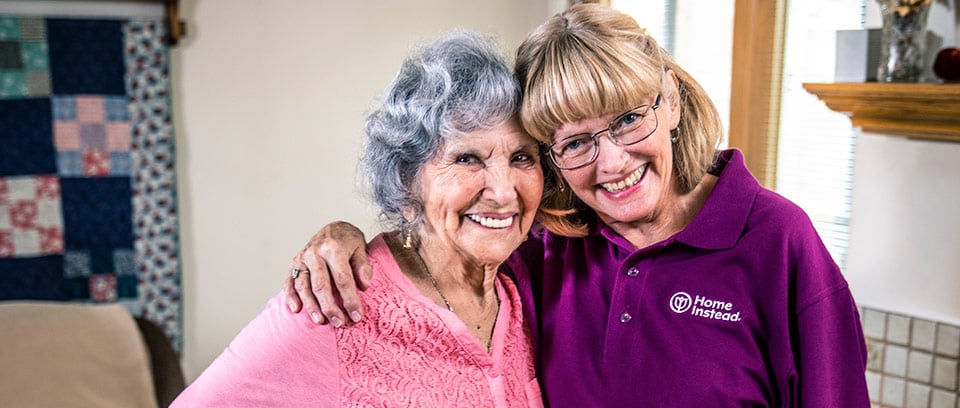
x,y
701,306
680,302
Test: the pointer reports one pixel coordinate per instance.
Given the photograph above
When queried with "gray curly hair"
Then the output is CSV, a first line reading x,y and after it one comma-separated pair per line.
x,y
454,85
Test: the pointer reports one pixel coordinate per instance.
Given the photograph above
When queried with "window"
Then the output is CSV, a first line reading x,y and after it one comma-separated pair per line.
x,y
793,143
815,147
699,35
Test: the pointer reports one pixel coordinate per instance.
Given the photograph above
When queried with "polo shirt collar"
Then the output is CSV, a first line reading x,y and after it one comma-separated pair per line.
x,y
723,217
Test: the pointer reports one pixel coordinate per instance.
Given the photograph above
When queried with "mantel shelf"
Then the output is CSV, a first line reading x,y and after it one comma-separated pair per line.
x,y
922,111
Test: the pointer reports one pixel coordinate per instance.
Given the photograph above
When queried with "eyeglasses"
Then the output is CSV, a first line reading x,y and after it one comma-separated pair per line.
x,y
631,127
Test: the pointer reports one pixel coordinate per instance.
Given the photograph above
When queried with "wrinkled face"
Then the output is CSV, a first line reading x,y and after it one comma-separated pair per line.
x,y
627,184
481,192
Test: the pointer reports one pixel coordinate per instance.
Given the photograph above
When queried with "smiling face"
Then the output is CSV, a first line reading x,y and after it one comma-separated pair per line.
x,y
480,193
632,184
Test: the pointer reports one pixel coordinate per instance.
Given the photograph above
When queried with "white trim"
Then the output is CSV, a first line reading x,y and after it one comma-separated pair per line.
x,y
51,8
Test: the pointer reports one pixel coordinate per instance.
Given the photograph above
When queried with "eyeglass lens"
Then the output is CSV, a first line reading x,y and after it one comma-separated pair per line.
x,y
629,128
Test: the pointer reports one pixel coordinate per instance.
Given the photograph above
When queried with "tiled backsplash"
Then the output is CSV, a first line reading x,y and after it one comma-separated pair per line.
x,y
911,362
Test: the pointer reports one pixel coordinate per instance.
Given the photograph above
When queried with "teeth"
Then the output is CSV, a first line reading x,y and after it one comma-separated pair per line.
x,y
630,181
491,222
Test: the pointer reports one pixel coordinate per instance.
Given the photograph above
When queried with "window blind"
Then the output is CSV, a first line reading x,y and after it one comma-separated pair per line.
x,y
816,145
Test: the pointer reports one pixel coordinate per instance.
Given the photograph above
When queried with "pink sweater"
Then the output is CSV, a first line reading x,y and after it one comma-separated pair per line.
x,y
407,351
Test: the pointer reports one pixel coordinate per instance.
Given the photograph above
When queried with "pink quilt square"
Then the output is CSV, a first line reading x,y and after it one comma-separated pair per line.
x,y
103,287
7,249
66,135
90,109
31,219
4,191
23,214
96,163
118,136
48,187
51,240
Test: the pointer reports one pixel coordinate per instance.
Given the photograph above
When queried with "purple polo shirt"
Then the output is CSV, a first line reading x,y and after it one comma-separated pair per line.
x,y
744,307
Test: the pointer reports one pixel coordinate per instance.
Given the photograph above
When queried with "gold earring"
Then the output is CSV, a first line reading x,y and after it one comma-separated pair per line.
x,y
407,237
562,186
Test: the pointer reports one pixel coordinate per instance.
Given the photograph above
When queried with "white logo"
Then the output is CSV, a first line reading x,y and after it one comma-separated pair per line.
x,y
680,302
704,307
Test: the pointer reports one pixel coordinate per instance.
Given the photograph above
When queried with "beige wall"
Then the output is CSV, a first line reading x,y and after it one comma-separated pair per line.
x,y
905,227
269,99
905,214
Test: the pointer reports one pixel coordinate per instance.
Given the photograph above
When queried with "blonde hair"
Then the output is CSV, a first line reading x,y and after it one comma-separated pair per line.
x,y
589,61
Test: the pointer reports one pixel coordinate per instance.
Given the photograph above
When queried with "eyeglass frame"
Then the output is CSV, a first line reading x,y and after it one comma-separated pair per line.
x,y
595,137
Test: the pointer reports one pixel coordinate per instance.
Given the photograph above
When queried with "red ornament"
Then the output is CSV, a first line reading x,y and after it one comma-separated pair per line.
x,y
947,64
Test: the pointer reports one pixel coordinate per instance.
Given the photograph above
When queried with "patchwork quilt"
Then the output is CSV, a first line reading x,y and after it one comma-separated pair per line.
x,y
87,187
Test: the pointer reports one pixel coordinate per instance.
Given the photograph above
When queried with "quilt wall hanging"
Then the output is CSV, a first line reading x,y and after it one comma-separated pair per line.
x,y
87,188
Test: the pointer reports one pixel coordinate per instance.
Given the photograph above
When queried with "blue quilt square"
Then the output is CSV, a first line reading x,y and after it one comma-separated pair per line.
x,y
39,278
64,108
127,287
86,56
70,164
116,109
35,56
27,137
97,213
125,262
9,29
76,264
76,288
120,164
101,261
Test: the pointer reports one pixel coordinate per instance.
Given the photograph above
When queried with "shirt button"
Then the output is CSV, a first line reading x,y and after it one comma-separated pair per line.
x,y
494,373
625,317
633,272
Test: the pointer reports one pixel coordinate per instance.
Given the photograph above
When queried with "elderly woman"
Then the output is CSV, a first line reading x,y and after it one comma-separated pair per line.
x,y
451,168
668,276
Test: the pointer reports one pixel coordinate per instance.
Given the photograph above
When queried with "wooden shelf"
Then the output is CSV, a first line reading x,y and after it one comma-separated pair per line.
x,y
922,111
176,28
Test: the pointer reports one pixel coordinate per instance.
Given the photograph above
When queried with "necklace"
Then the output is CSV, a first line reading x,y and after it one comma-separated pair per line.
x,y
436,286
433,281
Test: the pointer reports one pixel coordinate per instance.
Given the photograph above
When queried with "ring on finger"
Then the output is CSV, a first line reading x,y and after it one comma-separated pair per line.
x,y
295,272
